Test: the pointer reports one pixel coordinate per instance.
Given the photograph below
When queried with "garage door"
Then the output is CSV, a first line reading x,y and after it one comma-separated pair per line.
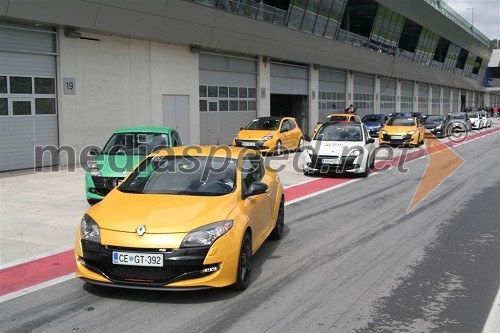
x,y
436,100
227,96
387,95
289,79
28,115
423,98
332,88
363,93
446,100
406,96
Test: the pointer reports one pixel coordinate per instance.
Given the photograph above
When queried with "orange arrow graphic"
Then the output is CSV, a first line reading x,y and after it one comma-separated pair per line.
x,y
443,161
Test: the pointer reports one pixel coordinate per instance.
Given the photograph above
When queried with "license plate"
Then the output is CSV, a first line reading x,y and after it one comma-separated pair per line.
x,y
330,161
138,259
248,144
396,137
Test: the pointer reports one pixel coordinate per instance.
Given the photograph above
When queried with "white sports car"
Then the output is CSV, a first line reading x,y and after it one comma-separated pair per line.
x,y
340,147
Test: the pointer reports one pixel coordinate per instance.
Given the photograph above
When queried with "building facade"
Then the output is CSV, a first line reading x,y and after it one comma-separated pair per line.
x,y
72,72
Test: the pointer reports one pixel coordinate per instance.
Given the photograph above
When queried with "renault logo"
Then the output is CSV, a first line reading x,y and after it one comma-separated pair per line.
x,y
141,230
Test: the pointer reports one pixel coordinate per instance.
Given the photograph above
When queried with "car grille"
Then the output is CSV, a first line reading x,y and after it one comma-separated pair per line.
x,y
178,264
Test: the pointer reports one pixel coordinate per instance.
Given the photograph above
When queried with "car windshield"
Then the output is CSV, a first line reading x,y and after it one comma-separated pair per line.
x,y
336,118
135,143
263,124
339,132
457,116
432,119
401,122
372,118
183,175
473,115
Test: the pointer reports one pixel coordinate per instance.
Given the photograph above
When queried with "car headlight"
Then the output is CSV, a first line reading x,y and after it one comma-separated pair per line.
x,y
89,229
383,132
355,152
439,127
310,151
267,137
207,235
93,169
411,132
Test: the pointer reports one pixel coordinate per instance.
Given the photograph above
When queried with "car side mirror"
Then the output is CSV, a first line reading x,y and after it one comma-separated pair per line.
x,y
319,122
111,183
257,188
370,140
241,128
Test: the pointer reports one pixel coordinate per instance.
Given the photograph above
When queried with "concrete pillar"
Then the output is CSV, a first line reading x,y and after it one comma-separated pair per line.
x,y
376,95
441,106
349,89
313,97
429,100
264,87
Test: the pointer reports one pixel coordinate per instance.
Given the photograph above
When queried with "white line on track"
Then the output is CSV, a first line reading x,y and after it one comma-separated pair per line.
x,y
33,258
37,287
492,324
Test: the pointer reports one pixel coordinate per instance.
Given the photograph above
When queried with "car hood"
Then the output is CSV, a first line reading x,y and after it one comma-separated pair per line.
x,y
254,134
373,123
335,148
402,130
160,213
117,165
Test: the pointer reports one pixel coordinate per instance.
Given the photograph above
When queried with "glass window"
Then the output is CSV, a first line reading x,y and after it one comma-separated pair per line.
x,y
233,92
223,92
251,93
20,85
243,105
223,105
212,91
3,84
45,85
212,106
233,105
4,111
203,105
252,105
203,91
21,108
45,106
243,92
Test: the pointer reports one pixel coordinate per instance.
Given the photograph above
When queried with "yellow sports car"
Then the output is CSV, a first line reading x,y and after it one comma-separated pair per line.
x,y
271,134
401,131
336,117
185,218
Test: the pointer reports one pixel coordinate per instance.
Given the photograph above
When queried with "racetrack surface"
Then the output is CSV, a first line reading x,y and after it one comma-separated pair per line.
x,y
351,260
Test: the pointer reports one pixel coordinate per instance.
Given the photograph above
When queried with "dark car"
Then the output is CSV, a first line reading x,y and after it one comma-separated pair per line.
x,y
435,125
458,121
374,123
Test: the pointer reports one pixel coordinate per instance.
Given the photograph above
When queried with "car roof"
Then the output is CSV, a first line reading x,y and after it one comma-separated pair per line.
x,y
342,123
213,151
145,129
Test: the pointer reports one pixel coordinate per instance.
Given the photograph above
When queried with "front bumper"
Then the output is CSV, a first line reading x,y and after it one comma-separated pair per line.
x,y
347,164
263,146
94,186
405,139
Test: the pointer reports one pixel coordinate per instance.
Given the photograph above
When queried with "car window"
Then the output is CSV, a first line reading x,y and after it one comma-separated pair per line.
x,y
176,140
286,126
339,132
401,122
263,124
292,124
356,119
252,170
135,143
366,132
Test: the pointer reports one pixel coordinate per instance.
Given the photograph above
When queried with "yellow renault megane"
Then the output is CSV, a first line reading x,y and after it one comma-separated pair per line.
x,y
185,218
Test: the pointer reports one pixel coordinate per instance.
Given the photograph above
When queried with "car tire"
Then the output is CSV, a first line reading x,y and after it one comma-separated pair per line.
x,y
278,149
277,232
364,174
92,201
243,273
301,144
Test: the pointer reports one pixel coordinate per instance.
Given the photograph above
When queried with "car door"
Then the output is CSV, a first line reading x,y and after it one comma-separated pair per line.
x,y
258,208
285,133
295,134
369,146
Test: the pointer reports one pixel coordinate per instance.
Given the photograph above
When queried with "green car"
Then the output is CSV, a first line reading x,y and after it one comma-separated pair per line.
x,y
124,150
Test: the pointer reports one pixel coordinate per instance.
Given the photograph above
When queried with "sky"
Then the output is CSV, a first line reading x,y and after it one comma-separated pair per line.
x,y
486,14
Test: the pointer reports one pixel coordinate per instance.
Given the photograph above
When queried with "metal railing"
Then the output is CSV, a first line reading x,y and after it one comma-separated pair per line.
x,y
249,8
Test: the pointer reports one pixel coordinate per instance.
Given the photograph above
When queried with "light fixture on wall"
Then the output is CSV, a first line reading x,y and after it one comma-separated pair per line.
x,y
72,33
266,59
194,48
